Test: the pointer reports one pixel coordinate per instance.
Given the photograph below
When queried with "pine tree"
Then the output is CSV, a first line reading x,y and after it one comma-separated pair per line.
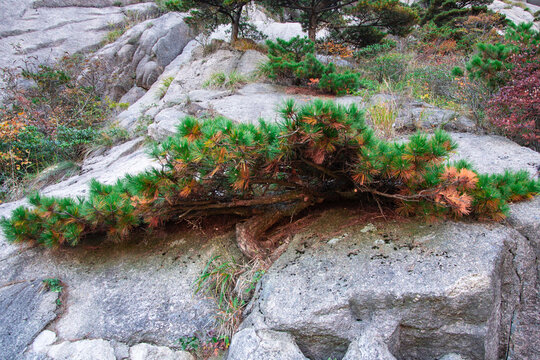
x,y
314,13
367,22
212,13
442,12
318,152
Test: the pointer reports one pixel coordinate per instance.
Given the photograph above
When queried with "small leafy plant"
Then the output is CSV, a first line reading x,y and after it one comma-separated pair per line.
x,y
53,285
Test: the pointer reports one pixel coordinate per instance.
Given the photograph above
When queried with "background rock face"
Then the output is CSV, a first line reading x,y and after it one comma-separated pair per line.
x,y
45,30
140,55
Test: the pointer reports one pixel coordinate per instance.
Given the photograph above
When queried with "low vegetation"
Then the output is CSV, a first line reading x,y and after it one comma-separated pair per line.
x,y
318,152
230,81
51,120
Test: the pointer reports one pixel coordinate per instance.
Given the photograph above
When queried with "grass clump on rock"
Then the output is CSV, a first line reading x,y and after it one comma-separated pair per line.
x,y
318,152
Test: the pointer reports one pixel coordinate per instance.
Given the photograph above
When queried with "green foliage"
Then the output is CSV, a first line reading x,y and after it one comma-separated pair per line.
x,y
493,62
189,343
442,12
374,50
367,22
53,285
166,83
391,66
230,81
294,61
112,36
206,15
49,119
490,64
112,135
317,152
339,83
313,15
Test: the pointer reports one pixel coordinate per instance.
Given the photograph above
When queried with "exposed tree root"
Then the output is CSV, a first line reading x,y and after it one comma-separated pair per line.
x,y
250,233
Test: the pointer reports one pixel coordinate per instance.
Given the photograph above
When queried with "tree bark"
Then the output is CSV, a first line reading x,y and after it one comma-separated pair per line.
x,y
312,29
235,27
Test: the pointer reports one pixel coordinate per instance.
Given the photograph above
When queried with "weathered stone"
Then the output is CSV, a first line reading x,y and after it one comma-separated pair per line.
x,y
446,288
134,94
151,100
165,123
27,308
249,344
418,115
368,348
151,352
515,14
43,341
141,291
525,337
452,357
140,55
121,350
494,154
50,29
82,3
82,350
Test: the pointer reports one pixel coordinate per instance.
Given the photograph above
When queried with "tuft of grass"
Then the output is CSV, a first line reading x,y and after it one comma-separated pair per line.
x,y
113,35
220,80
383,117
231,284
165,86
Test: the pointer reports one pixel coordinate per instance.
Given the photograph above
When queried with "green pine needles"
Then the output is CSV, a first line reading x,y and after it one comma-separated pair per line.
x,y
318,152
294,61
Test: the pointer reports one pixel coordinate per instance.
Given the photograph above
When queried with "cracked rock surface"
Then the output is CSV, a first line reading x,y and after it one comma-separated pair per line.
x,y
47,29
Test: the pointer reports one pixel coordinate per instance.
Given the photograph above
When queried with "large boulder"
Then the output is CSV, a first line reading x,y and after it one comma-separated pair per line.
x,y
423,290
140,55
189,72
411,291
137,292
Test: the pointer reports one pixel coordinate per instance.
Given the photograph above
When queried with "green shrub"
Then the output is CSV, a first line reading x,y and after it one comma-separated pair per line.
x,y
318,152
287,60
294,61
392,66
51,118
367,84
339,83
371,51
493,62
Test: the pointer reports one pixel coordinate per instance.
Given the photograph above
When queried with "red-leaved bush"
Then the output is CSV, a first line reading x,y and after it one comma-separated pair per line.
x,y
515,109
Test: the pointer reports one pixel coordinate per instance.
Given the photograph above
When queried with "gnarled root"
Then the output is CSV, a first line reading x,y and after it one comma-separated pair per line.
x,y
250,233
